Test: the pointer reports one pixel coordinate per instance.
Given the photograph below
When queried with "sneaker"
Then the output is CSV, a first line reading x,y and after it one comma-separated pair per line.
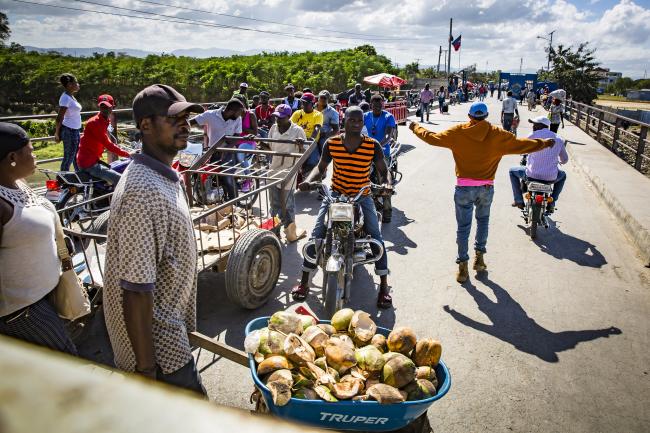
x,y
518,205
462,275
300,292
479,263
384,300
550,208
246,186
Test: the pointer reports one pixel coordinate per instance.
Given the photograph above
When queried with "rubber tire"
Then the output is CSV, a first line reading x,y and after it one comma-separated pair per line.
x,y
533,229
239,267
331,297
99,225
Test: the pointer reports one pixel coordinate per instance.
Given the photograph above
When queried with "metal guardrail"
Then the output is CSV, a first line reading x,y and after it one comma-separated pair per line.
x,y
614,134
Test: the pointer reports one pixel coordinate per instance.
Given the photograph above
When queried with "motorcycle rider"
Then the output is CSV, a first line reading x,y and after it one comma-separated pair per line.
x,y
380,123
95,140
541,165
352,154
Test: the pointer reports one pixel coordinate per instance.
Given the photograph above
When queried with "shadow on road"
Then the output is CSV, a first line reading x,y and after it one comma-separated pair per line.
x,y
511,324
393,233
564,246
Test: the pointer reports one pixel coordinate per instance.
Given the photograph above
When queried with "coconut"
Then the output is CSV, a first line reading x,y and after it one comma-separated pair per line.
x,y
344,338
427,373
359,373
271,342
258,357
307,321
306,394
379,341
300,381
329,329
427,352
324,393
351,378
362,328
385,394
341,319
321,362
298,350
346,390
271,364
317,338
335,374
389,355
401,340
339,355
286,322
280,392
420,389
283,376
369,358
398,371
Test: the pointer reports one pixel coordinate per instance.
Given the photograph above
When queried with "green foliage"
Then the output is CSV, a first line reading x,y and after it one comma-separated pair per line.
x,y
31,79
574,71
5,32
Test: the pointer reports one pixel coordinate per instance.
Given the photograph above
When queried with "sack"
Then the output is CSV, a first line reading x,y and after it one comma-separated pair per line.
x,y
418,112
69,297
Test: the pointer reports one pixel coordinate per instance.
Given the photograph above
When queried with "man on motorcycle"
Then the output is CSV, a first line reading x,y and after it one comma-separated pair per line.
x,y
95,140
352,154
380,124
541,165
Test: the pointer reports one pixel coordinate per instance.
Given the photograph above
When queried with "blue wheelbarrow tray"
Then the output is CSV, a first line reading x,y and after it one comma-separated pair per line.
x,y
348,415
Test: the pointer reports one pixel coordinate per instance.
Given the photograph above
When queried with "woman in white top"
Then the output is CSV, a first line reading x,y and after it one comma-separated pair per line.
x,y
29,263
68,121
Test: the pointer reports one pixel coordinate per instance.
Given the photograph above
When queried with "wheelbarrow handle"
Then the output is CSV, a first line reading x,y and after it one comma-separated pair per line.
x,y
212,345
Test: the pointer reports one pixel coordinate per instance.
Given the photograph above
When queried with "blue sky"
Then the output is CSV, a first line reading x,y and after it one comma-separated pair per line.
x,y
499,32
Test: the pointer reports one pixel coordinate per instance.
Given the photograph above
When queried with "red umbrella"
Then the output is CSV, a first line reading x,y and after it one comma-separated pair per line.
x,y
470,84
384,80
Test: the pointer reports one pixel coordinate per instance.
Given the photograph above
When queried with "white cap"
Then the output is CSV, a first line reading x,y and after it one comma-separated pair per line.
x,y
541,119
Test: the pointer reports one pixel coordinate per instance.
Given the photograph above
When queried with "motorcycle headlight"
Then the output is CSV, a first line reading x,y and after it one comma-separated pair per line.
x,y
186,159
341,212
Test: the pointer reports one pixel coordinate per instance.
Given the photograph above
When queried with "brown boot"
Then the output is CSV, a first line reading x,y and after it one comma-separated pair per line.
x,y
462,275
479,263
293,233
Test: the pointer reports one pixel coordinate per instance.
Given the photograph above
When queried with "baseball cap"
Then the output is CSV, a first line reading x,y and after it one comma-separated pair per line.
x,y
308,97
12,138
541,119
244,85
478,109
161,100
105,99
264,93
282,111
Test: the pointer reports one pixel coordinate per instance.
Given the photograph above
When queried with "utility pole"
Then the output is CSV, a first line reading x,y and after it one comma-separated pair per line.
x,y
550,46
439,54
521,64
449,49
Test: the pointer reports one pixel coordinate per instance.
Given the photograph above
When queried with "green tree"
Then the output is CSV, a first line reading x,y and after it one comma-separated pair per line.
x,y
412,69
622,85
5,31
574,71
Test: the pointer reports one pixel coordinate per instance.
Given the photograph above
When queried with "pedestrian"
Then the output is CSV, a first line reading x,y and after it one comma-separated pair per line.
x,y
357,96
426,96
29,264
242,93
263,113
291,99
477,148
555,113
68,121
508,111
256,102
330,120
311,121
541,165
150,280
95,140
283,204
492,87
441,98
249,130
348,178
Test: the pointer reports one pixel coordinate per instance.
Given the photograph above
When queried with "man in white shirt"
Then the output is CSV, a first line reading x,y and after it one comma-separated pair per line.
x,y
281,196
508,111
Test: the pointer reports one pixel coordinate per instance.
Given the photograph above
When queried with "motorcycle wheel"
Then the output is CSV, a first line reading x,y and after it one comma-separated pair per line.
x,y
333,298
248,202
533,229
535,216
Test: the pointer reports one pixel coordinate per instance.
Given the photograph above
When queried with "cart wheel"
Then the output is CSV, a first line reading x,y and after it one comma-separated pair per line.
x,y
99,225
253,268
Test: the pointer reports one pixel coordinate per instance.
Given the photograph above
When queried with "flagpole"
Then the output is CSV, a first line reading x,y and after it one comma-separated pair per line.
x,y
449,51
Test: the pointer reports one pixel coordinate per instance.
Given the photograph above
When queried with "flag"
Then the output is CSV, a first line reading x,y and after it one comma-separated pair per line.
x,y
456,43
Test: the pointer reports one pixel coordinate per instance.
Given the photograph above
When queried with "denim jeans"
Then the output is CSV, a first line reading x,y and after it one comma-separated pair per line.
x,y
283,204
100,171
185,377
70,138
518,173
424,108
441,103
472,200
370,224
244,158
507,121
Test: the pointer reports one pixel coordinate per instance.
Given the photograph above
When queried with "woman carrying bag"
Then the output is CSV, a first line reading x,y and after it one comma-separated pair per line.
x,y
30,267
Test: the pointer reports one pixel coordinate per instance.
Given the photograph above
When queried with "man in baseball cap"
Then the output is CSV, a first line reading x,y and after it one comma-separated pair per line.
x,y
242,93
541,165
105,100
311,121
162,101
291,99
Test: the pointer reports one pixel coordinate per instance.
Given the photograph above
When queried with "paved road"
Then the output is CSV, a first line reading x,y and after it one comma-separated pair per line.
x,y
554,338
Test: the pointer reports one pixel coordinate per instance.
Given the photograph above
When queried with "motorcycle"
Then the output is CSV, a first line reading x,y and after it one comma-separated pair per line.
x,y
345,246
537,196
383,199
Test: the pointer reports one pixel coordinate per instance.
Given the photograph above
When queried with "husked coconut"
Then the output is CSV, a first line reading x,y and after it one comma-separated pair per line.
x,y
385,394
286,322
341,319
298,350
317,339
401,340
280,392
362,328
379,341
427,352
398,371
369,358
271,364
339,355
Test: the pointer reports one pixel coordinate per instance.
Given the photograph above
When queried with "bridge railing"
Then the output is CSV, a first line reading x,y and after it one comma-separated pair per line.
x,y
625,137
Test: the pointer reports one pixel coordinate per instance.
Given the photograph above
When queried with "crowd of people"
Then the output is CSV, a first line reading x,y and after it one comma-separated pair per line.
x,y
150,274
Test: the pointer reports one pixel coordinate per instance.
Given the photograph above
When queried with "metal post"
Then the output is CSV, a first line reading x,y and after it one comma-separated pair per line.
x,y
578,116
550,45
640,148
587,126
617,124
600,125
449,50
439,55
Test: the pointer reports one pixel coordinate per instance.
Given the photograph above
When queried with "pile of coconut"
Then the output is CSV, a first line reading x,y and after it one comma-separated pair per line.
x,y
347,360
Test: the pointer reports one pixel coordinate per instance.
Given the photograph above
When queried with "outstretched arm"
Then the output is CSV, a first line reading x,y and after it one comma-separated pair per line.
x,y
440,139
511,145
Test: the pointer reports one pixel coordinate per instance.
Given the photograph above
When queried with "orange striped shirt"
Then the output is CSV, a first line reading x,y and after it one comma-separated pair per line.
x,y
351,170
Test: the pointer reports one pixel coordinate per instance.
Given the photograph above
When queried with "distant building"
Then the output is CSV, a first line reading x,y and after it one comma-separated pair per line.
x,y
641,95
606,77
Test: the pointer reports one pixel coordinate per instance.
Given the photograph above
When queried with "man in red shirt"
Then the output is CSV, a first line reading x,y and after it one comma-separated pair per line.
x,y
263,113
95,140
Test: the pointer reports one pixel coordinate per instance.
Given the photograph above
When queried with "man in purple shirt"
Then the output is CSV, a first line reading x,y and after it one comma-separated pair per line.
x,y
426,96
541,165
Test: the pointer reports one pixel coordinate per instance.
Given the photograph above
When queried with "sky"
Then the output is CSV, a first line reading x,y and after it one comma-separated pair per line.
x,y
496,34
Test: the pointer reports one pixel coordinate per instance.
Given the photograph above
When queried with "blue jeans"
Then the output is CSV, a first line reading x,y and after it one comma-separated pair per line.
x,y
370,224
468,200
283,204
507,121
70,138
244,158
100,171
518,173
424,108
441,103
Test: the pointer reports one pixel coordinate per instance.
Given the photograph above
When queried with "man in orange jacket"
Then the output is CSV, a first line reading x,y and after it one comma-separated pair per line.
x,y
477,147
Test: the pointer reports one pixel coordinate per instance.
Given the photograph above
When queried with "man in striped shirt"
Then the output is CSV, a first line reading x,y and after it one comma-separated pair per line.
x,y
352,155
542,165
